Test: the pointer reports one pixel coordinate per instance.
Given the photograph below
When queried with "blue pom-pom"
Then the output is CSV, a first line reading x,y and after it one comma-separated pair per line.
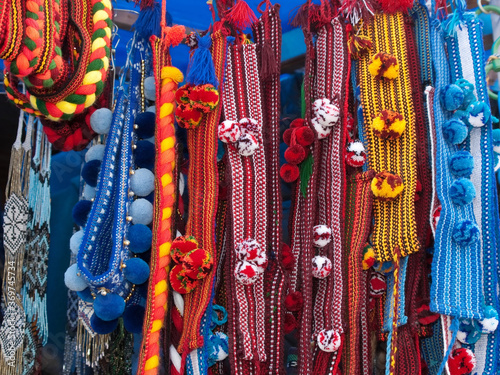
x,y
496,140
465,233
81,212
142,182
141,211
100,120
86,295
479,114
461,164
136,271
133,318
468,89
140,237
146,124
152,109
455,131
462,192
145,155
90,172
72,280
150,89
452,97
469,332
490,322
75,241
218,347
103,327
88,192
109,307
95,153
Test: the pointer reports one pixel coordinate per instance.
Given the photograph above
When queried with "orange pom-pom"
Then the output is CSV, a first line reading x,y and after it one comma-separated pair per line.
x,y
176,34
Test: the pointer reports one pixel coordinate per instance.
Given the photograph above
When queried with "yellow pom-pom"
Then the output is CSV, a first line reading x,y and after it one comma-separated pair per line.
x,y
368,257
388,125
384,65
387,186
173,73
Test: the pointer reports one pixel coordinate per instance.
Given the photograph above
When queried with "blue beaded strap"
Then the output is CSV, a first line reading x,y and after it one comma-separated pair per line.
x,y
465,44
456,287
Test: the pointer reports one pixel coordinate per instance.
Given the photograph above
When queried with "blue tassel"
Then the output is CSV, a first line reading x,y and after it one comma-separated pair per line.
x,y
148,22
201,67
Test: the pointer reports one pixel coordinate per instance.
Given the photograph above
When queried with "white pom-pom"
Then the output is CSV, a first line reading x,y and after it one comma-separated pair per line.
x,y
246,273
329,340
229,131
321,266
249,125
321,130
322,235
247,145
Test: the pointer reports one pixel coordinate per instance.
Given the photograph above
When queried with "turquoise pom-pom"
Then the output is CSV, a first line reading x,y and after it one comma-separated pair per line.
x,y
72,279
496,140
490,322
452,97
145,124
81,212
109,307
88,192
479,114
100,121
462,192
140,238
461,164
455,131
90,172
95,153
218,347
142,182
469,332
75,241
468,89
133,318
86,295
103,327
136,270
465,233
145,154
150,88
141,211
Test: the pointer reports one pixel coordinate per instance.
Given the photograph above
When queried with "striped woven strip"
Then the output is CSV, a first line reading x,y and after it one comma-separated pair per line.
x,y
203,178
395,224
241,99
465,45
357,228
167,79
13,28
268,30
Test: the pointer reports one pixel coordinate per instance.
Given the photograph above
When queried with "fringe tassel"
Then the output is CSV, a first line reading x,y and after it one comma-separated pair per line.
x,y
201,66
92,346
358,44
148,22
241,16
269,64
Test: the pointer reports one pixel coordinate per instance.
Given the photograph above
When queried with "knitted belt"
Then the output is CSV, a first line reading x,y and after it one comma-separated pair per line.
x,y
242,102
267,31
465,46
386,97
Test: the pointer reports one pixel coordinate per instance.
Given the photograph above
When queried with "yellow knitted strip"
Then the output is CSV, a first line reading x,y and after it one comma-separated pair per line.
x,y
394,220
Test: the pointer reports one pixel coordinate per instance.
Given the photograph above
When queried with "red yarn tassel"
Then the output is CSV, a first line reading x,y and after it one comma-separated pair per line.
x,y
393,6
269,64
241,15
145,3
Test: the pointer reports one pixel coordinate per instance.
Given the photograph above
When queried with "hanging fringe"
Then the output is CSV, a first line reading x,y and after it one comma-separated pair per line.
x,y
358,44
91,345
241,16
148,22
201,69
357,10
269,65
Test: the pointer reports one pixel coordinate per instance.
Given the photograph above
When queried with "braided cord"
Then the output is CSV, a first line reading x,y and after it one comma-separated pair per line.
x,y
80,93
149,359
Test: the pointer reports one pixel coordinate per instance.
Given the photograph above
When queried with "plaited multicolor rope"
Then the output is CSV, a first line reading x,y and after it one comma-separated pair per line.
x,y
12,30
167,79
88,80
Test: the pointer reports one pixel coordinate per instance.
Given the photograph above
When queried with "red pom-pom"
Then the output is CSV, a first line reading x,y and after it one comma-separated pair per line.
x,y
393,6
289,172
294,301
461,361
290,323
287,258
305,136
181,246
295,154
187,116
204,98
180,282
287,136
197,264
297,123
182,94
